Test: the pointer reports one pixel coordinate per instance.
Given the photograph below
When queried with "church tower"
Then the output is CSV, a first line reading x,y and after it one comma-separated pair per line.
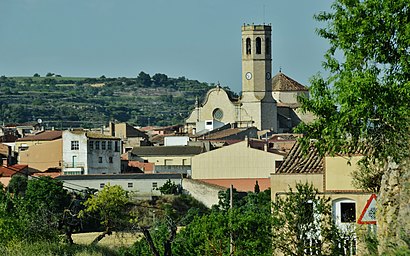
x,y
257,98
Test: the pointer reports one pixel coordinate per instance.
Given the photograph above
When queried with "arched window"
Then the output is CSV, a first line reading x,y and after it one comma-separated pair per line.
x,y
267,46
248,46
258,45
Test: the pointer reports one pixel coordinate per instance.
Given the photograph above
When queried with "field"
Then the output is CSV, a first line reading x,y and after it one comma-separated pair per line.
x,y
114,240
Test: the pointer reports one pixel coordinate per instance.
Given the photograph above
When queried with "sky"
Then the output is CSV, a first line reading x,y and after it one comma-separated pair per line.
x,y
198,39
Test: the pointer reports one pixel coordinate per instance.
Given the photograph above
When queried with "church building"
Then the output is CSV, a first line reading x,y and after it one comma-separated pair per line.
x,y
267,103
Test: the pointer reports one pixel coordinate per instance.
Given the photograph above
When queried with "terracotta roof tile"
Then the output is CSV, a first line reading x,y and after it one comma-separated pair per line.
x,y
281,82
9,171
299,162
166,150
43,136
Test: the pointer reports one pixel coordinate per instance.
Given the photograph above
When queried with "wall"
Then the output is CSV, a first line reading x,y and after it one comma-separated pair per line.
x,y
203,192
234,161
95,167
41,155
142,184
169,160
288,97
79,156
281,182
338,172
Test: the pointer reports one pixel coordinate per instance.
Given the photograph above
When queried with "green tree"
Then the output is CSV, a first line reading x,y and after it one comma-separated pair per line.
x,y
18,185
170,188
363,105
302,224
160,79
36,75
144,79
46,193
110,206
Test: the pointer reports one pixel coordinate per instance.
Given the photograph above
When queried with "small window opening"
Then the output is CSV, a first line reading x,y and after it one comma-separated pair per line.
x,y
347,212
248,46
258,45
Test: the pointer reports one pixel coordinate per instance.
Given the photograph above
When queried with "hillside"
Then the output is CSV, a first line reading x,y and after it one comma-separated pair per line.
x,y
63,102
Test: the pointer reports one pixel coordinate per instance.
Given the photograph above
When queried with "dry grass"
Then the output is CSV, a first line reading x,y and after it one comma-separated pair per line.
x,y
117,239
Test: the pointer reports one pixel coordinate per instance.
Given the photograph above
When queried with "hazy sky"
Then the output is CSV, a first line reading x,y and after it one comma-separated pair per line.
x,y
198,39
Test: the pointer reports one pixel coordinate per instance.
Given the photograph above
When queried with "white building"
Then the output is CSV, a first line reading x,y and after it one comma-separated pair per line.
x,y
90,153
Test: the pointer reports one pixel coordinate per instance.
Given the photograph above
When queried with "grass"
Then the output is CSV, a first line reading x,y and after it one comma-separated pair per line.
x,y
108,246
117,239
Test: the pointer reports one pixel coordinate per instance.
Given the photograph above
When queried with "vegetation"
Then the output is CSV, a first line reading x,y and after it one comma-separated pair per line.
x,y
364,104
110,206
63,102
303,225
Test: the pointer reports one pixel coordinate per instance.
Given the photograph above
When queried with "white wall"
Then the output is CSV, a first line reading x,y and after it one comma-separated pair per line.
x,y
176,141
142,184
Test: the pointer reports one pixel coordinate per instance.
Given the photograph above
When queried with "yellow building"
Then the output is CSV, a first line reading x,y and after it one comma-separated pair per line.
x,y
42,151
331,175
240,164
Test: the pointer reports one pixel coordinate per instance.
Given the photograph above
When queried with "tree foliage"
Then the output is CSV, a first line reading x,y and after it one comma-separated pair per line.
x,y
364,103
18,185
303,225
110,206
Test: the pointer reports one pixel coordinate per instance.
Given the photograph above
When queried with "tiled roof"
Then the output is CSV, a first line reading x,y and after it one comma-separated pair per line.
x,y
94,135
281,82
225,134
299,162
166,150
8,171
43,136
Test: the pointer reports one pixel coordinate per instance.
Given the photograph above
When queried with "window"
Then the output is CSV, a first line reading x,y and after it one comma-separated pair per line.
x,y
97,145
75,145
344,211
154,184
218,114
103,145
258,45
102,185
130,185
267,46
110,159
91,145
347,212
109,145
117,146
100,159
248,46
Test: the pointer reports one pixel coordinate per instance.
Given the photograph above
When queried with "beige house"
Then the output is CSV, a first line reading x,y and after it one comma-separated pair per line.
x,y
130,136
167,159
331,175
41,151
240,164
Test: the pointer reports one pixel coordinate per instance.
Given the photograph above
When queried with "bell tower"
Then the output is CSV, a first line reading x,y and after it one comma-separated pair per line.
x,y
256,60
257,98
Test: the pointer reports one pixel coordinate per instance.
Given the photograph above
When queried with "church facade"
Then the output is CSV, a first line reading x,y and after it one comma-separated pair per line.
x,y
266,102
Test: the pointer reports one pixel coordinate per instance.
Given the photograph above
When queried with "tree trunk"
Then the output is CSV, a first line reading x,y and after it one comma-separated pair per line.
x,y
101,236
151,244
68,235
393,209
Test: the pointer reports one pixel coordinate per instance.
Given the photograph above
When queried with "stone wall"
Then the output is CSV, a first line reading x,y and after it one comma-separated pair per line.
x,y
393,209
202,191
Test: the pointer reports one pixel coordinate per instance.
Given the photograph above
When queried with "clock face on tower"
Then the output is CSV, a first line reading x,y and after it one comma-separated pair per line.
x,y
248,75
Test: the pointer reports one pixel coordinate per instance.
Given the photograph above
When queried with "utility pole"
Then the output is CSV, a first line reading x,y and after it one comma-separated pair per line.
x,y
230,219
